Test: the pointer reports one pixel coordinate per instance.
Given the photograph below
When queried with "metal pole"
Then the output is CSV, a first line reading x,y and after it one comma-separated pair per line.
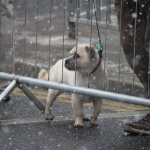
x,y
63,41
12,40
91,18
149,72
8,90
79,90
120,29
0,35
98,10
86,91
50,25
77,17
106,27
7,76
32,97
109,11
25,32
135,25
36,53
88,11
71,13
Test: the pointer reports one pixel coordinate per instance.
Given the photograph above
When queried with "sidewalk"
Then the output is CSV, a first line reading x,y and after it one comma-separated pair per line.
x,y
23,127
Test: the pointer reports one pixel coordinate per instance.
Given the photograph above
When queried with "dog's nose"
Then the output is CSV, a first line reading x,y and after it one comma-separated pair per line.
x,y
67,61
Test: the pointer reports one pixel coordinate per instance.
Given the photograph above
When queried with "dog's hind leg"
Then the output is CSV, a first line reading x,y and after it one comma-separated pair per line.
x,y
96,110
52,94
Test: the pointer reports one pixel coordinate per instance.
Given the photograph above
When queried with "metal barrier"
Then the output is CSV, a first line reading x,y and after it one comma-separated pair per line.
x,y
78,14
40,37
64,87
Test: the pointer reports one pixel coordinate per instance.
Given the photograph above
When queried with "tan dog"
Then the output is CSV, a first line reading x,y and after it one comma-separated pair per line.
x,y
79,60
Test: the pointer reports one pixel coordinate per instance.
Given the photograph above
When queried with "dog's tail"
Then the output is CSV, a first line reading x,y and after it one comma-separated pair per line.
x,y
43,75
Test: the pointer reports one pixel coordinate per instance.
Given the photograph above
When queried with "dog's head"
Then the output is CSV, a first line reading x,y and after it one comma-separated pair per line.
x,y
80,57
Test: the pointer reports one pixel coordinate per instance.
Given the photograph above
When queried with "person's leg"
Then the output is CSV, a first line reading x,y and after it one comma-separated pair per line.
x,y
140,62
6,52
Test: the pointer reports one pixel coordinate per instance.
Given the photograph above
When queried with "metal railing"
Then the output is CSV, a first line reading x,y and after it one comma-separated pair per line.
x,y
84,10
57,38
64,87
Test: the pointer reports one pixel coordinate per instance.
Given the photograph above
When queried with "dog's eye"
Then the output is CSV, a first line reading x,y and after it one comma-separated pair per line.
x,y
76,55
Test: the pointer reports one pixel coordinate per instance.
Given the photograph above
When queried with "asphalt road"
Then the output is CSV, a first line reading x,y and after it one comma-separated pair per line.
x,y
23,126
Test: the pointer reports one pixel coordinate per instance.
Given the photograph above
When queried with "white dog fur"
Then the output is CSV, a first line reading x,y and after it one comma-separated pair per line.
x,y
79,59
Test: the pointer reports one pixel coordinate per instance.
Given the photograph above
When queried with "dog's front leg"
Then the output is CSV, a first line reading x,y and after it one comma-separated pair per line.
x,y
52,94
96,110
77,106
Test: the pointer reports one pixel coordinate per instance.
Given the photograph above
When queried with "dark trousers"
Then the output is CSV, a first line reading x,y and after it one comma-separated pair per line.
x,y
139,44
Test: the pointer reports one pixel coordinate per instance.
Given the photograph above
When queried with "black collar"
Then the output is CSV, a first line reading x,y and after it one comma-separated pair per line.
x,y
99,62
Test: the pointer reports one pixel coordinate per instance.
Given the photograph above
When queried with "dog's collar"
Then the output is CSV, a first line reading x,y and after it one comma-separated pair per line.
x,y
100,50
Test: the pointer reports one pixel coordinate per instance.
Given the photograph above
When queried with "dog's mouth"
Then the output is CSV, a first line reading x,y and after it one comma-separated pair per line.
x,y
71,65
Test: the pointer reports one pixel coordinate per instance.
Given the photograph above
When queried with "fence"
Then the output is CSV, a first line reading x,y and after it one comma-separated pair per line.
x,y
39,37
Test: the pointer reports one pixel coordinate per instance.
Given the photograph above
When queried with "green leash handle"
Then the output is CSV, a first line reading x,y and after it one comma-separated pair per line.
x,y
99,47
100,50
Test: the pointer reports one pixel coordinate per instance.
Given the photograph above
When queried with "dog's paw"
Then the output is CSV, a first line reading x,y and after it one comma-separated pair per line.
x,y
78,124
49,117
93,122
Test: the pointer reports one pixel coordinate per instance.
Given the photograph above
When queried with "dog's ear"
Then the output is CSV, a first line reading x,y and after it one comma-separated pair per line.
x,y
90,50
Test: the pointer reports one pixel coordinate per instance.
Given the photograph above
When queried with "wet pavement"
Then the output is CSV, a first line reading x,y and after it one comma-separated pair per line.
x,y
39,45
23,127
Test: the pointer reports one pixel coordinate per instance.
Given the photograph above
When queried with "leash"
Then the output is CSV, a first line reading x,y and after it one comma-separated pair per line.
x,y
99,45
